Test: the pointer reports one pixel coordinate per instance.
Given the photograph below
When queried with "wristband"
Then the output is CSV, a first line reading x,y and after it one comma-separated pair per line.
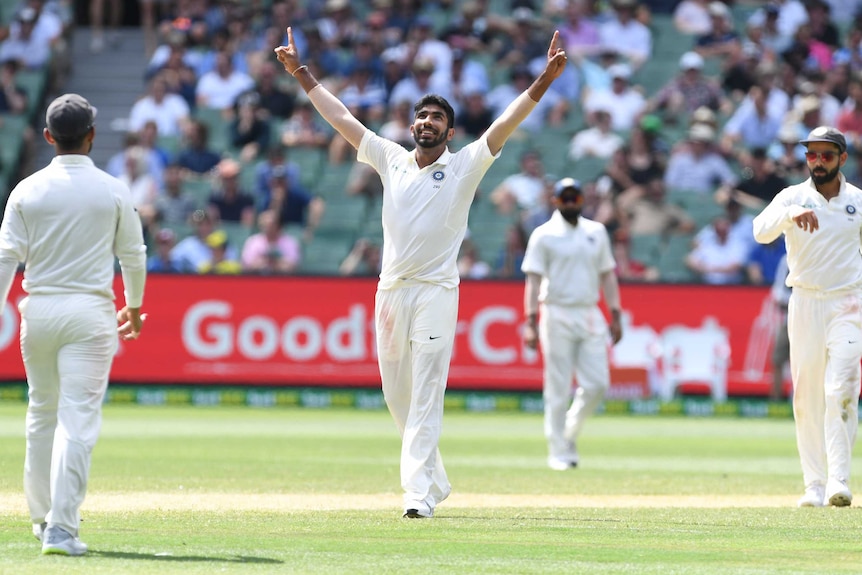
x,y
297,70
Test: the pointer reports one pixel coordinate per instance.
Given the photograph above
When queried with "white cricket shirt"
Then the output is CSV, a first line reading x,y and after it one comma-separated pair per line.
x,y
828,259
570,260
66,223
424,210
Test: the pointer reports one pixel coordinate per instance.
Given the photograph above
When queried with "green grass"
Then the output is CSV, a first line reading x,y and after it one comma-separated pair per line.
x,y
162,460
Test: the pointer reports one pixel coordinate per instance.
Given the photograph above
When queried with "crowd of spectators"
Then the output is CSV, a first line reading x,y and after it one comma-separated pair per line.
x,y
214,154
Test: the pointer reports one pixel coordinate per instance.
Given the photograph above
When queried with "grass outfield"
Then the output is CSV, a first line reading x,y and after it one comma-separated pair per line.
x,y
241,490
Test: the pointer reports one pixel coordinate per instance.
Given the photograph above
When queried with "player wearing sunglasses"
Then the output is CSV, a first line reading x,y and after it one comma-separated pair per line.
x,y
822,225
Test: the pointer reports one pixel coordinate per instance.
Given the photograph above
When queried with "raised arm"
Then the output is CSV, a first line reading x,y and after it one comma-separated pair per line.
x,y
330,107
520,108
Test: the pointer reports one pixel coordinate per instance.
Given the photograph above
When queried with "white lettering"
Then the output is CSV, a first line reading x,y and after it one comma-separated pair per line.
x,y
345,338
248,333
296,329
219,341
478,335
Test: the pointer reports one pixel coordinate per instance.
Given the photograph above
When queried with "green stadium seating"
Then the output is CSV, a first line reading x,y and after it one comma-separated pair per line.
x,y
646,249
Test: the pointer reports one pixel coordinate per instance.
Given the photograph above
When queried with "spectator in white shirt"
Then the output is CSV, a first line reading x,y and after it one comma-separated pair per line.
x,y
597,141
220,88
169,111
719,259
697,167
626,104
631,38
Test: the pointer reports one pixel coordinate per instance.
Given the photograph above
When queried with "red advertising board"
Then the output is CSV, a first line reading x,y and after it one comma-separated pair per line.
x,y
319,331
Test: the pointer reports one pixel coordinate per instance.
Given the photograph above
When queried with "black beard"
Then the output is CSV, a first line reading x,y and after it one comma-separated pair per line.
x,y
434,143
824,178
571,215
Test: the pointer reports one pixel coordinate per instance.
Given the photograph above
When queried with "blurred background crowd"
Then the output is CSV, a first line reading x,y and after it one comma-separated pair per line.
x,y
680,119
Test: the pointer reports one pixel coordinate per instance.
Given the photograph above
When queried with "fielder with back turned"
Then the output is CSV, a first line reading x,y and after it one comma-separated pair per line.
x,y
822,225
66,223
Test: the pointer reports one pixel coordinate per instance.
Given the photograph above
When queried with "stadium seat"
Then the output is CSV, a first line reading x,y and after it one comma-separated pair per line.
x,y
646,249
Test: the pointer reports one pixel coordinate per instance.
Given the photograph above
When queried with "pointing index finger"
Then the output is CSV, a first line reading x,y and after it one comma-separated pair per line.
x,y
289,36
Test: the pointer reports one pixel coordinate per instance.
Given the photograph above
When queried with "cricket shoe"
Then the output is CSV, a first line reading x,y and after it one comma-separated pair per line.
x,y
418,510
813,496
58,541
39,530
561,463
837,493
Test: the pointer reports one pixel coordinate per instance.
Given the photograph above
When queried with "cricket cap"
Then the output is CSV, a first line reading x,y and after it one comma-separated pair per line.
x,y
69,117
826,134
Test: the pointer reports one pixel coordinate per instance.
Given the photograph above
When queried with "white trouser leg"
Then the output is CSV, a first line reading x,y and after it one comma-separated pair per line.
x,y
806,323
594,379
559,346
415,334
82,330
842,384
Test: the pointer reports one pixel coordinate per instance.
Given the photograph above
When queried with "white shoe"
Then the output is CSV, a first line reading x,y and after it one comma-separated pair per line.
x,y
837,493
561,463
417,510
39,530
813,496
58,541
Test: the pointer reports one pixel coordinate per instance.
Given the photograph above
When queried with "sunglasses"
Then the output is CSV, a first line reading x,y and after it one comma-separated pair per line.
x,y
825,156
570,199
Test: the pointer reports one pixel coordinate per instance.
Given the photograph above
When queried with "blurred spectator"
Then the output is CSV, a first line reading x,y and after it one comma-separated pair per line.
x,y
740,225
595,72
512,254
741,73
276,101
276,159
294,204
271,251
850,118
630,37
219,41
721,41
772,38
522,190
366,55
419,82
718,259
174,205
364,259
763,261
13,98
598,206
807,53
751,125
219,88
364,95
579,34
169,111
221,262
364,181
475,116
195,154
759,182
177,71
467,77
533,217
141,183
25,44
192,252
692,17
788,155
820,23
470,29
634,164
551,110
470,264
596,141
624,103
397,126
644,210
628,268
98,22
303,128
249,130
697,167
688,90
160,261
523,42
228,202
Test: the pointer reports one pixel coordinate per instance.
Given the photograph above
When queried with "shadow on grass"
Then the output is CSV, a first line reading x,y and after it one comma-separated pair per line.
x,y
180,558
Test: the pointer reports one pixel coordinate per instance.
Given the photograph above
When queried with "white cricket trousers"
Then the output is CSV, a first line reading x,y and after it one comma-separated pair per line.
x,y
825,352
574,341
68,343
415,333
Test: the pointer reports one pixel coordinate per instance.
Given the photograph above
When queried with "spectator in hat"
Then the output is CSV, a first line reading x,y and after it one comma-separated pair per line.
x,y
789,160
228,202
624,103
626,34
598,140
721,41
24,44
697,167
249,131
688,90
271,250
692,17
221,261
814,83
160,261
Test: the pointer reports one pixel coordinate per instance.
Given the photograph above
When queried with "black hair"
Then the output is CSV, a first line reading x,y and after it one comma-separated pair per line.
x,y
436,100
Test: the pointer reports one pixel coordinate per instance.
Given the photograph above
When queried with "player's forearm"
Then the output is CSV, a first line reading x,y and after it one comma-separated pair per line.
x,y
531,298
504,126
611,291
331,108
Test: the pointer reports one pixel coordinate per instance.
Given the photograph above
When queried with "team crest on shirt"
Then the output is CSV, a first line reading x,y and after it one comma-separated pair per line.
x,y
851,209
438,175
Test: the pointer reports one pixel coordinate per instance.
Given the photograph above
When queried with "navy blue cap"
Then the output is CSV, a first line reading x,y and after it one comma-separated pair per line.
x,y
567,184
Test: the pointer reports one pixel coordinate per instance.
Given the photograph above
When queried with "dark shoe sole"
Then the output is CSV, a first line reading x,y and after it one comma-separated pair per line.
x,y
413,514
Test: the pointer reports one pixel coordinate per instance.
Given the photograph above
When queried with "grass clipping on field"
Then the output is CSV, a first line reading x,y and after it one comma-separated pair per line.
x,y
144,501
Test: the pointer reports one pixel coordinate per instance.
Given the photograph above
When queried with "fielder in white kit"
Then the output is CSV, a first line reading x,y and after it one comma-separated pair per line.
x,y
569,264
822,225
66,223
427,194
